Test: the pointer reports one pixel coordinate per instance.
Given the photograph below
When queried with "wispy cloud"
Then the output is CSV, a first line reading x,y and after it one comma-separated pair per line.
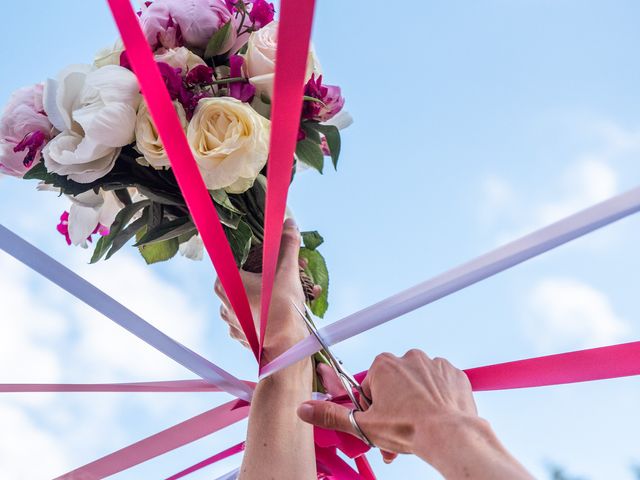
x,y
565,313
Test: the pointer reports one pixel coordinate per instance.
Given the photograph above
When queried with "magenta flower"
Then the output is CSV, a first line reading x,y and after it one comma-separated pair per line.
x,y
261,13
200,75
243,91
174,23
24,131
329,95
63,228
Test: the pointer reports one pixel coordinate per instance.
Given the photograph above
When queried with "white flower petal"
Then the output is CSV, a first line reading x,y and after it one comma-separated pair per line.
x,y
82,222
193,249
115,84
112,125
109,209
56,117
342,120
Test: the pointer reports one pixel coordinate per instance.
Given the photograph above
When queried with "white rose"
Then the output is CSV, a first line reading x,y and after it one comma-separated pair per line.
x,y
148,142
95,110
230,141
90,209
180,57
260,59
110,55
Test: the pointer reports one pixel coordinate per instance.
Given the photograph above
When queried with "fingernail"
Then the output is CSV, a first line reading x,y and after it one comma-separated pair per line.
x,y
305,412
386,460
290,223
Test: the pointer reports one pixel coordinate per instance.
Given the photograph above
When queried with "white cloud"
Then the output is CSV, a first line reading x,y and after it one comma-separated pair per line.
x,y
17,456
590,177
580,185
46,335
565,313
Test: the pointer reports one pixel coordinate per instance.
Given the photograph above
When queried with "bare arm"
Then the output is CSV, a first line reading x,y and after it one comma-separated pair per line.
x,y
424,407
279,445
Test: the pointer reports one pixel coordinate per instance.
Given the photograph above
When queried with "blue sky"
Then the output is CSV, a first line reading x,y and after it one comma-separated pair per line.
x,y
475,122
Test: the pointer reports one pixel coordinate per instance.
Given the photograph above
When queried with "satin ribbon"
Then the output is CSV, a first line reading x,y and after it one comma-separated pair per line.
x,y
183,164
163,442
294,32
460,277
578,366
209,461
77,286
171,386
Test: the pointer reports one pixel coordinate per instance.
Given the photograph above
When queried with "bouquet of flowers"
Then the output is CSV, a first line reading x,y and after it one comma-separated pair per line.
x,y
87,134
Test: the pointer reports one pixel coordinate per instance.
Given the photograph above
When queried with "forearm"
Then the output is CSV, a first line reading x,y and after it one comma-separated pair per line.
x,y
279,445
467,448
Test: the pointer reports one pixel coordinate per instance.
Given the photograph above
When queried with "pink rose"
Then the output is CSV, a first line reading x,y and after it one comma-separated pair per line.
x,y
24,131
173,23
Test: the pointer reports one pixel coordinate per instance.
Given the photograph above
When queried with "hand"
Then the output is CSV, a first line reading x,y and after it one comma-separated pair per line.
x,y
414,399
285,327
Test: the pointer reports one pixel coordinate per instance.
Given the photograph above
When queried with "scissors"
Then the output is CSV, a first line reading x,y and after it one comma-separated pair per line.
x,y
360,401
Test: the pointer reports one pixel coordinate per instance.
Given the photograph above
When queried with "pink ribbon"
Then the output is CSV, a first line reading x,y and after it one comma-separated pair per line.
x,y
137,387
209,461
294,32
163,442
183,164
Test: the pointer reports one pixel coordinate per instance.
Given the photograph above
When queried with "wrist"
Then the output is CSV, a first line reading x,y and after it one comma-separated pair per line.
x,y
441,444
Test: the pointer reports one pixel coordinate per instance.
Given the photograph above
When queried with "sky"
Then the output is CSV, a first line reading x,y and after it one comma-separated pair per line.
x,y
475,122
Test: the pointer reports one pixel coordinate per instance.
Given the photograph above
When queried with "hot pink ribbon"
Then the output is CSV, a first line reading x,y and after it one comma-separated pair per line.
x,y
209,461
294,32
183,164
163,442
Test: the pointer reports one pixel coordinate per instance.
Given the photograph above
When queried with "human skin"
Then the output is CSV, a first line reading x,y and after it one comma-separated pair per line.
x,y
425,407
279,445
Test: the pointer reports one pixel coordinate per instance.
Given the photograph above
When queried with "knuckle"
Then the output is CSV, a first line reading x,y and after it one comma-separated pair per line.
x,y
330,417
415,353
291,237
218,288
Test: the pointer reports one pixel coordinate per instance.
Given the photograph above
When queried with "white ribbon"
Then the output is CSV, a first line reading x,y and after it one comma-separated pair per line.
x,y
77,286
460,277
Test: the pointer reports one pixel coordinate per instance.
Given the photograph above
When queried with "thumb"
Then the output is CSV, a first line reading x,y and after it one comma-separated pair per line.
x,y
290,246
326,415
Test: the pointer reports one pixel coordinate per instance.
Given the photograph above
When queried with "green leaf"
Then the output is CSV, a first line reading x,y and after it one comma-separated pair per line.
x,y
316,269
312,240
311,132
332,134
123,195
126,234
123,217
167,230
240,242
222,198
158,252
310,153
219,43
160,196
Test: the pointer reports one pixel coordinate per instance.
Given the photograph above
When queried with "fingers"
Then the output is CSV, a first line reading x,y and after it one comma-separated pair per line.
x,y
330,380
290,245
326,415
388,457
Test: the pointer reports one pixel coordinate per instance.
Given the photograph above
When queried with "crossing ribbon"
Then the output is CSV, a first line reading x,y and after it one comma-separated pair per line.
x,y
451,281
77,286
183,164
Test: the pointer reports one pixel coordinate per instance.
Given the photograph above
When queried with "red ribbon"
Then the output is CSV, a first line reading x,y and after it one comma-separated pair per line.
x,y
183,164
209,461
294,33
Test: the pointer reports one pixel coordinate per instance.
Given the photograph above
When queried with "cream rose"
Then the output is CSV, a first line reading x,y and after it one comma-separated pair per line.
x,y
230,141
260,59
148,142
